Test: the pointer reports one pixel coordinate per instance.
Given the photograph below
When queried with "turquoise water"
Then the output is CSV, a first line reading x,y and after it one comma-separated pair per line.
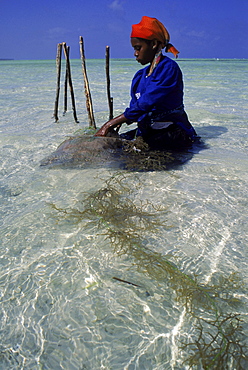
x,y
176,239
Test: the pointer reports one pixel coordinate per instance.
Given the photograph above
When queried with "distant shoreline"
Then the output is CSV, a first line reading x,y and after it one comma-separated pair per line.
x,y
130,59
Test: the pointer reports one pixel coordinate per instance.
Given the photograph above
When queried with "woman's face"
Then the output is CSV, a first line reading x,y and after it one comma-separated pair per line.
x,y
144,50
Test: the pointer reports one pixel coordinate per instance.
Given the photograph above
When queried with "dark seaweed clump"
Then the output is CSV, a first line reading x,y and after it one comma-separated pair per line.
x,y
88,151
137,156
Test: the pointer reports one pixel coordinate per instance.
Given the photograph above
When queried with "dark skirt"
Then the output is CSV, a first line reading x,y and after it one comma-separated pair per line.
x,y
178,136
172,137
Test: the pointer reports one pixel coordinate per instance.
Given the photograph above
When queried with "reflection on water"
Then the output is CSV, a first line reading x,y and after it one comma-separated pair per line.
x,y
128,269
217,339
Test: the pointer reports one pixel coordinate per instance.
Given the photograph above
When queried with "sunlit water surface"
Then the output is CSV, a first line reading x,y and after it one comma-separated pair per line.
x,y
62,305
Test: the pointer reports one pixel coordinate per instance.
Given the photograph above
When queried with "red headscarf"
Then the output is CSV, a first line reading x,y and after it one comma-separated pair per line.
x,y
150,29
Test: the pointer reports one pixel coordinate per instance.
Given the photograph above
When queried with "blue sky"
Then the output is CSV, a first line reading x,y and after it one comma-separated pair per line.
x,y
31,29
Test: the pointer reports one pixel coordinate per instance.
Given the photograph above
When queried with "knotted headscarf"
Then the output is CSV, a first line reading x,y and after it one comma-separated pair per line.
x,y
150,29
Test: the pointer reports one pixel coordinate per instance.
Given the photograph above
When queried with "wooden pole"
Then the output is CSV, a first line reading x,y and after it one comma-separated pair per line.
x,y
68,68
110,99
58,64
66,84
89,105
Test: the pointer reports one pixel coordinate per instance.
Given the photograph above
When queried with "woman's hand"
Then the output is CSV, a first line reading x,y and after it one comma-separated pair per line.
x,y
103,131
110,125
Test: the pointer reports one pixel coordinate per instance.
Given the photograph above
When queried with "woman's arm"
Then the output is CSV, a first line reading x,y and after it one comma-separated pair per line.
x,y
110,125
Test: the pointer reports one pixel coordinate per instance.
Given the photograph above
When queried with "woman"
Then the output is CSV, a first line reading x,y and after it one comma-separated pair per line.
x,y
156,93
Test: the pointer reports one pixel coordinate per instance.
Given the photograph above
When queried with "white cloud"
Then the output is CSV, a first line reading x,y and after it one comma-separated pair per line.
x,y
197,34
57,32
116,5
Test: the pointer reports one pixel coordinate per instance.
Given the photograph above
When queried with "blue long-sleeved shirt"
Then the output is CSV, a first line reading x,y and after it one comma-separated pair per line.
x,y
160,92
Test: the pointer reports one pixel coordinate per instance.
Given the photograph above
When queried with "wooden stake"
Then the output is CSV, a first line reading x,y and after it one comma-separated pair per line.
x,y
68,68
66,84
58,64
110,99
89,105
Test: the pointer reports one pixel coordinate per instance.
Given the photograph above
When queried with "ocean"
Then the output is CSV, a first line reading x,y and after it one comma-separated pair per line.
x,y
109,268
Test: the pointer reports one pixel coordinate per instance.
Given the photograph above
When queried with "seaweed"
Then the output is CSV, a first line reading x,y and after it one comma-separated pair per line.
x,y
85,150
137,156
218,340
219,343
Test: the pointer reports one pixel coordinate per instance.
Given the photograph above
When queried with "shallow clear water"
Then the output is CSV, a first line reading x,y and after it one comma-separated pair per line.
x,y
185,255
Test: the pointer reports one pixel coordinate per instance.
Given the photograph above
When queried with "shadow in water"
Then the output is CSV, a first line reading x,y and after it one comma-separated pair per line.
x,y
211,132
88,151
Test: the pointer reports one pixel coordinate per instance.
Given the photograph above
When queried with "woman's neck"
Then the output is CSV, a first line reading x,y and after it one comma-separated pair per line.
x,y
155,61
